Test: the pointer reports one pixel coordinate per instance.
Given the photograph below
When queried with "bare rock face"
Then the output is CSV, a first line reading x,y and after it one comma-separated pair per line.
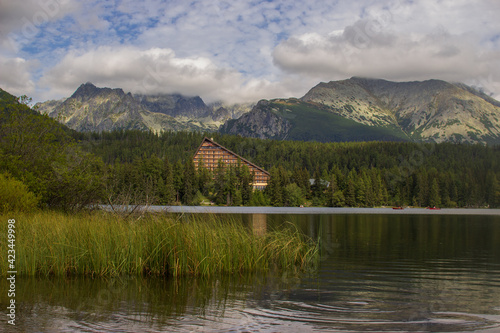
x,y
261,123
103,109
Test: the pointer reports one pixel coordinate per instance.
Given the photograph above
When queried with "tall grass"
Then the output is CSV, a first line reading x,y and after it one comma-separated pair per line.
x,y
102,244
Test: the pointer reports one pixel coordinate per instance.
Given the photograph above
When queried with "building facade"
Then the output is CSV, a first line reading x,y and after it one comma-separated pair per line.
x,y
210,152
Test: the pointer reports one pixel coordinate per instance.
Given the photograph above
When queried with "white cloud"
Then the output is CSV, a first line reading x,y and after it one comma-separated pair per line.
x,y
247,49
16,75
152,71
373,47
20,21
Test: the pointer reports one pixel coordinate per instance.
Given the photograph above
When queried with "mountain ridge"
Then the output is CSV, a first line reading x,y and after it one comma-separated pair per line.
x,y
429,111
91,108
353,109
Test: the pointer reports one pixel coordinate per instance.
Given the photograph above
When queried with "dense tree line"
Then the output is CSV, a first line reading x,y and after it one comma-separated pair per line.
x,y
323,174
40,161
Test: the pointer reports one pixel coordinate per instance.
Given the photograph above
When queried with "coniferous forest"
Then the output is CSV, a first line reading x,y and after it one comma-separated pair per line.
x,y
322,174
59,168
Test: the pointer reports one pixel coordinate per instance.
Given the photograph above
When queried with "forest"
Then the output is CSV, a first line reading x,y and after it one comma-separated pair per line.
x,y
366,174
50,165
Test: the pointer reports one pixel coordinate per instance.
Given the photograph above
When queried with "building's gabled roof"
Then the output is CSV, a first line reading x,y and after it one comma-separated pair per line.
x,y
230,152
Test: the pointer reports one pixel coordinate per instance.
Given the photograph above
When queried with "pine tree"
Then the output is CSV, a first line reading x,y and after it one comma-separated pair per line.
x,y
168,181
335,197
230,185
220,183
178,175
245,181
204,176
350,191
189,182
360,189
274,189
422,189
434,198
318,188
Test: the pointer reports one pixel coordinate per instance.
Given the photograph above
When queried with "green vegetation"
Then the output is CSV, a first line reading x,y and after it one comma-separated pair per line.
x,y
40,153
15,196
103,244
366,174
324,126
68,171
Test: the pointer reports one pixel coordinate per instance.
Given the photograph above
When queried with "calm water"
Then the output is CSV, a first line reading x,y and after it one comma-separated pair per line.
x,y
379,273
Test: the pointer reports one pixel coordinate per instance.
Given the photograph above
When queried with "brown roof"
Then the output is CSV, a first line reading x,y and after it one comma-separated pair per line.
x,y
230,152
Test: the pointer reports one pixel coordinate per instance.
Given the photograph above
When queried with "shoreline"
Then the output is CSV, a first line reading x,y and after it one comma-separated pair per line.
x,y
312,210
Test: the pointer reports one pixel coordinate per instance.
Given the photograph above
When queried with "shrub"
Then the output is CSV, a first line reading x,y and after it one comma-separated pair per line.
x,y
15,196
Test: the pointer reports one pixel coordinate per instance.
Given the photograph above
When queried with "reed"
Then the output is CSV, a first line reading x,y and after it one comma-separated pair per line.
x,y
103,244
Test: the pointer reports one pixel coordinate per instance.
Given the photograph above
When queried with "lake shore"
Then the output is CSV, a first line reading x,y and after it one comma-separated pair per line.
x,y
102,244
314,210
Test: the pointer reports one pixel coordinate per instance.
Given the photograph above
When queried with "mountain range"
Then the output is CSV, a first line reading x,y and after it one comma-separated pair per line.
x,y
356,109
361,108
104,109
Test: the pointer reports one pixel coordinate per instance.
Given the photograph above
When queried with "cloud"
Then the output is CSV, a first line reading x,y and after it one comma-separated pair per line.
x,y
155,70
21,20
247,49
366,48
16,75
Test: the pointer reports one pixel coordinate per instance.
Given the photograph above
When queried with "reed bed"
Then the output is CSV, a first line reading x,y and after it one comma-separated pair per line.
x,y
103,244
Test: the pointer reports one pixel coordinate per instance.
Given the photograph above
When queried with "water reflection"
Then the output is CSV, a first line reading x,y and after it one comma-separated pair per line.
x,y
377,273
132,304
258,224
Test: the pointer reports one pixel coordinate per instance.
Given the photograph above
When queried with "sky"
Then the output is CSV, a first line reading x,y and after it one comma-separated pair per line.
x,y
243,51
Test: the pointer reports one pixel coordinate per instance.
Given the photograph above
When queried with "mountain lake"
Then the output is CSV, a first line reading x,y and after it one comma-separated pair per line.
x,y
380,270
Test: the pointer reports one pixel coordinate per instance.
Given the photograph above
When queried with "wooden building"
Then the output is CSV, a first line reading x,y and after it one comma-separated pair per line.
x,y
210,152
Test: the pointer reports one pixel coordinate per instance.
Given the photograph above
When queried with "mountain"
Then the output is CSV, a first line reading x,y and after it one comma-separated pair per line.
x,y
102,109
293,119
361,108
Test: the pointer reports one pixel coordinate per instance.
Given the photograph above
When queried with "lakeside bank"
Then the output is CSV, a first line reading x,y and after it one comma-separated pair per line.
x,y
104,244
306,210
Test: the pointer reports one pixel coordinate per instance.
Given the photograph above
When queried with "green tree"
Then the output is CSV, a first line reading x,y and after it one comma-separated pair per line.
x,y
168,182
335,197
230,185
294,195
301,177
204,178
77,182
245,181
318,188
360,190
434,198
220,183
259,199
40,152
178,175
274,189
422,189
350,191
189,183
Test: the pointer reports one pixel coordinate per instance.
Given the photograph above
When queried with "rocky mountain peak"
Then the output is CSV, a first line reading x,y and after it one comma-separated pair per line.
x,y
91,108
432,110
88,91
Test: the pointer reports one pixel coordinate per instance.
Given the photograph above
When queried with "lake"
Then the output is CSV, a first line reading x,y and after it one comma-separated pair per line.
x,y
379,271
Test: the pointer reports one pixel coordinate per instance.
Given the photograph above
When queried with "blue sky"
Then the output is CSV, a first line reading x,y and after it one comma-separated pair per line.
x,y
240,51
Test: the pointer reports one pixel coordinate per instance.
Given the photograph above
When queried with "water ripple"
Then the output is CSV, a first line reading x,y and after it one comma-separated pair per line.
x,y
363,315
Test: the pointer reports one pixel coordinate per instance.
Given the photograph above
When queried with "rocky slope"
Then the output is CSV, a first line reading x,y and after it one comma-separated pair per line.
x,y
103,109
433,110
293,119
262,122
